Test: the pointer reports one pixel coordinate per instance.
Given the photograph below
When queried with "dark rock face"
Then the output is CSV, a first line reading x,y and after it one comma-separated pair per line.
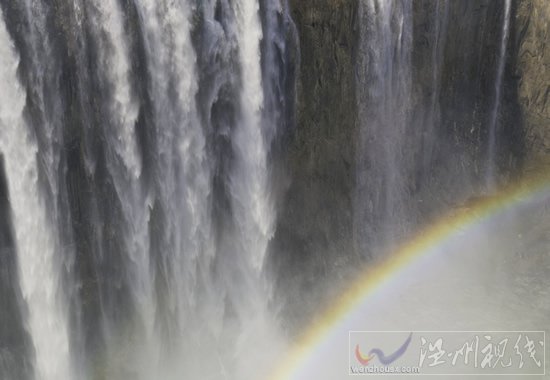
x,y
451,111
533,24
314,232
469,42
468,88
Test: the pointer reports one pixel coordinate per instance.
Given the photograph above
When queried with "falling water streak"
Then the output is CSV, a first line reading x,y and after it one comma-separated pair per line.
x,y
196,250
114,64
43,78
440,34
490,177
253,209
154,28
273,45
114,61
35,242
185,178
279,44
384,96
191,141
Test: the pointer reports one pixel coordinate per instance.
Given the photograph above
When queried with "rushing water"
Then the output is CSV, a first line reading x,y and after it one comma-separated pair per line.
x,y
36,242
141,145
136,138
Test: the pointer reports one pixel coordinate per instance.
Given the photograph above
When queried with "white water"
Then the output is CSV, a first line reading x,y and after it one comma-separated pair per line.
x,y
124,165
498,89
254,212
36,244
184,174
173,61
113,58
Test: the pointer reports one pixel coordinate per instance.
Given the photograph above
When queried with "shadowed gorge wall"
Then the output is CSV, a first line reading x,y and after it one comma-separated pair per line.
x,y
314,233
448,94
533,24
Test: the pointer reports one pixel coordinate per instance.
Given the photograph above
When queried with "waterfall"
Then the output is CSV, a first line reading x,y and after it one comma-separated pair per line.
x,y
124,164
179,197
144,135
36,243
146,147
253,208
113,61
493,116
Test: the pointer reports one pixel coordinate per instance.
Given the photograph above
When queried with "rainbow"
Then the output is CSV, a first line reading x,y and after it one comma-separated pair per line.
x,y
369,282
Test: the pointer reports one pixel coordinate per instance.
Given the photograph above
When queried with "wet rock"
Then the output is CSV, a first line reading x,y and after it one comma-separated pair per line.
x,y
315,222
533,22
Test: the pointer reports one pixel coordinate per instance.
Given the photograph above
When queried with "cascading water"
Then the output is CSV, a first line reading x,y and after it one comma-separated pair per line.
x,y
159,196
143,151
124,165
113,62
254,213
36,242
